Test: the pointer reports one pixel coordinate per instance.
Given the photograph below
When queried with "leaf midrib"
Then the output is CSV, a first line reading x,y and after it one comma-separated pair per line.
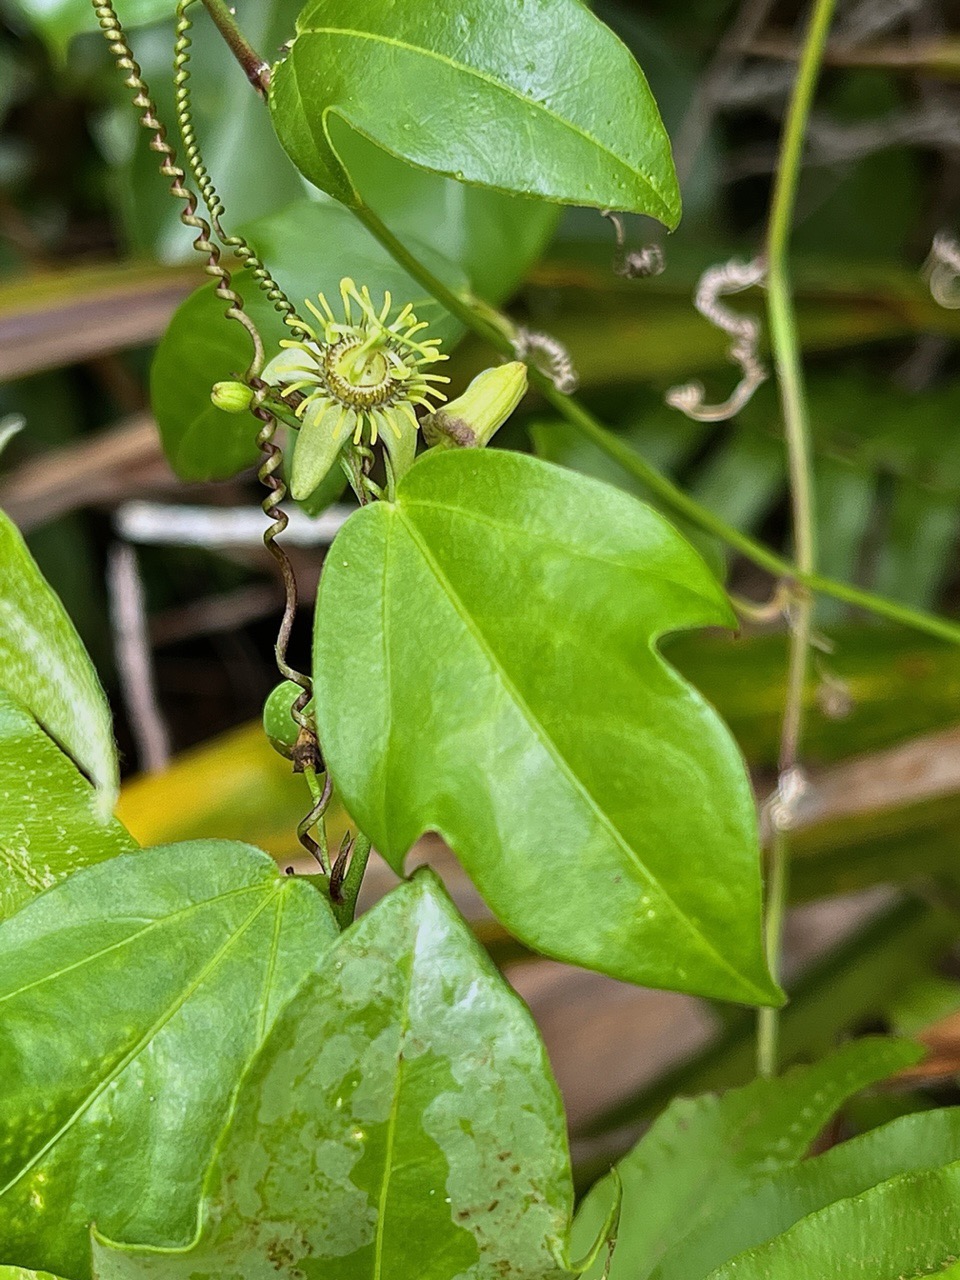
x,y
393,1118
562,763
498,85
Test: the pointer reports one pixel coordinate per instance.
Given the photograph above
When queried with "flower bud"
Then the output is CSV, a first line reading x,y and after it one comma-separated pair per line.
x,y
472,419
232,397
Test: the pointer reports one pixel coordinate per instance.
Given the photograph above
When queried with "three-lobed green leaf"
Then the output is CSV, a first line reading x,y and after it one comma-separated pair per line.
x,y
485,666
132,996
524,97
400,1122
51,820
701,1153
44,664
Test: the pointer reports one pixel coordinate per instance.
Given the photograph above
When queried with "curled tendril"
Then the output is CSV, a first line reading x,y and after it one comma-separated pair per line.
x,y
123,55
782,809
638,264
942,270
270,469
306,753
549,356
744,331
270,476
208,191
119,46
316,815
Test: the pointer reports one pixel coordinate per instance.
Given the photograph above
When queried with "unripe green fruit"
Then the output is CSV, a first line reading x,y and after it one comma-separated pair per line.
x,y
278,722
232,397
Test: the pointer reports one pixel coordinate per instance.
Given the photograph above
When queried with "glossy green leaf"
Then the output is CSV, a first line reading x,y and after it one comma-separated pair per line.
x,y
492,236
523,98
44,664
401,1122
485,666
133,995
51,822
908,1226
701,1153
309,248
911,1144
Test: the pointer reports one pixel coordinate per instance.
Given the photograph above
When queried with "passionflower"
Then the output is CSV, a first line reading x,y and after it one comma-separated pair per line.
x,y
361,378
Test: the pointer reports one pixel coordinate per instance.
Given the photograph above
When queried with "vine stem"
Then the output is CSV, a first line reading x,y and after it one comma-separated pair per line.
x,y
580,417
787,358
255,68
349,892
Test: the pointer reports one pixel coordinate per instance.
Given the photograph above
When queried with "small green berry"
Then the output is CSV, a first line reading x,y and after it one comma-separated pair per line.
x,y
232,397
278,722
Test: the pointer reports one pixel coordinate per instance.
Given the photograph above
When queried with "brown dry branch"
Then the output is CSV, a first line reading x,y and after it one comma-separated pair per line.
x,y
106,469
51,319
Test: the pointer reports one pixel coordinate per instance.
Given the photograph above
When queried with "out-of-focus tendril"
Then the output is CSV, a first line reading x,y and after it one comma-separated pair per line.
x,y
638,264
942,270
716,283
549,355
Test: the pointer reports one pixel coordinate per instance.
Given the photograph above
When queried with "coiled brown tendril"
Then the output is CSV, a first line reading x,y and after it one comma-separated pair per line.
x,y
306,752
316,815
270,476
211,198
715,283
116,39
640,263
126,62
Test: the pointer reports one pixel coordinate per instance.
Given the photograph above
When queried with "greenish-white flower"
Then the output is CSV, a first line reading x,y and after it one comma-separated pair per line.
x,y
361,378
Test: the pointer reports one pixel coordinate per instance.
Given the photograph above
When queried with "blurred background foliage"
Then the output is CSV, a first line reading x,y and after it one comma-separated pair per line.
x,y
93,264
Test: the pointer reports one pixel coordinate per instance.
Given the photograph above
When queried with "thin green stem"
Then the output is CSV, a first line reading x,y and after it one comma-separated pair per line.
x,y
659,485
255,68
346,908
787,356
